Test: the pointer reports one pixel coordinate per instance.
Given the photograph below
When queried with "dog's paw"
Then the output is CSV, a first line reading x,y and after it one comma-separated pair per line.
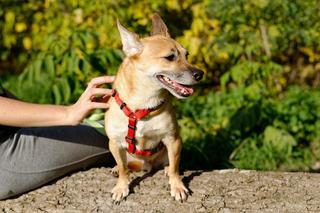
x,y
115,171
178,191
119,192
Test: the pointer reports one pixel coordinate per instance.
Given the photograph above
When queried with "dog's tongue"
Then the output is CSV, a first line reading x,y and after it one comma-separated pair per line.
x,y
186,90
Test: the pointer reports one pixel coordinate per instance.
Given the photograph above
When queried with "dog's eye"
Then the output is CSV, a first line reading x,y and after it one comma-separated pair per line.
x,y
171,57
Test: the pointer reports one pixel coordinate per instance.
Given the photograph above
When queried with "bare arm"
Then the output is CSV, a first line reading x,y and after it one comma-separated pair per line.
x,y
18,113
22,114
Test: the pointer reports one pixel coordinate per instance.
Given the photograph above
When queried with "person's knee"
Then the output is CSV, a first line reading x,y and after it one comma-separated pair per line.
x,y
7,190
5,196
13,183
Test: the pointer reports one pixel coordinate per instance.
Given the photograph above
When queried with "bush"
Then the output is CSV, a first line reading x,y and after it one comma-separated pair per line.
x,y
244,41
60,46
233,128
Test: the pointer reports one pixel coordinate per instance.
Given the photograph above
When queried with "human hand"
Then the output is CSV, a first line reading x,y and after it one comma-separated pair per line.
x,y
92,98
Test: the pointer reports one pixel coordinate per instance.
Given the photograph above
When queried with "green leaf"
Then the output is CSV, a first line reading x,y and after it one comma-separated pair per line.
x,y
97,116
37,69
85,67
97,125
49,65
57,94
279,139
224,79
66,91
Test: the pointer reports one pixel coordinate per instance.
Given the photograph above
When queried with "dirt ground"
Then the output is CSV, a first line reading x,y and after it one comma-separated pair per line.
x,y
215,191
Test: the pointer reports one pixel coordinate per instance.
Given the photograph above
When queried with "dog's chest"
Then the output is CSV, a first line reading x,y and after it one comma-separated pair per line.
x,y
149,129
148,133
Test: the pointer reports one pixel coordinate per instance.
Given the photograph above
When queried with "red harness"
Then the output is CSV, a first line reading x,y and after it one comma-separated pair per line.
x,y
132,126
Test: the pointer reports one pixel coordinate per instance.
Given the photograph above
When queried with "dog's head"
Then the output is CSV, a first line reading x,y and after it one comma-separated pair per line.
x,y
160,59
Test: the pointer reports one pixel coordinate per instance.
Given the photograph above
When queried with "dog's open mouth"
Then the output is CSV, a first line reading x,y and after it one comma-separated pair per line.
x,y
180,89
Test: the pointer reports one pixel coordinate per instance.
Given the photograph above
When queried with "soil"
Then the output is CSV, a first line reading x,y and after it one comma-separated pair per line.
x,y
214,191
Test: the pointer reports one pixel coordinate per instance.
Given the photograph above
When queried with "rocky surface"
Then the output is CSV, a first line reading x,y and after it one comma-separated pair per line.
x,y
214,191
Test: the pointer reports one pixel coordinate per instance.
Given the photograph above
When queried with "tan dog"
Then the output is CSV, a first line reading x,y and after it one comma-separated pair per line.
x,y
154,67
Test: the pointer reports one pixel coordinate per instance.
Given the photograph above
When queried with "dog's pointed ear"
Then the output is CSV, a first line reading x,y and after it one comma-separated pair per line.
x,y
158,26
131,44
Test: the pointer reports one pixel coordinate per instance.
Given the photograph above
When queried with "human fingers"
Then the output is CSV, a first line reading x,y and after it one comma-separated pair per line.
x,y
100,80
103,99
100,95
101,91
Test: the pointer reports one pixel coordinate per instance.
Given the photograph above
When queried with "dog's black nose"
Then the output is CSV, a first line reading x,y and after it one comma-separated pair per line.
x,y
197,74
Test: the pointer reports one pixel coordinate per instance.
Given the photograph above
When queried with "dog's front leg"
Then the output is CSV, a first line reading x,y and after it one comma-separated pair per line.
x,y
178,190
121,190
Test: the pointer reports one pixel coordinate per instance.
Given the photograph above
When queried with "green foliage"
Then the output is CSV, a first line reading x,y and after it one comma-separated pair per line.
x,y
252,132
61,46
237,38
259,106
65,76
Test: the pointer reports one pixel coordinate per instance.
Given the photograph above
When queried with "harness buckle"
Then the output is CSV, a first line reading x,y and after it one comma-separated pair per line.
x,y
122,105
132,127
132,140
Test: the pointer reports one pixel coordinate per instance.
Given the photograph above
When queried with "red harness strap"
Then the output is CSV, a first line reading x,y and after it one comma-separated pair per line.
x,y
132,126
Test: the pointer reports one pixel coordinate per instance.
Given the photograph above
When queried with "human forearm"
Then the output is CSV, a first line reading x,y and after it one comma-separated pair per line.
x,y
22,114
